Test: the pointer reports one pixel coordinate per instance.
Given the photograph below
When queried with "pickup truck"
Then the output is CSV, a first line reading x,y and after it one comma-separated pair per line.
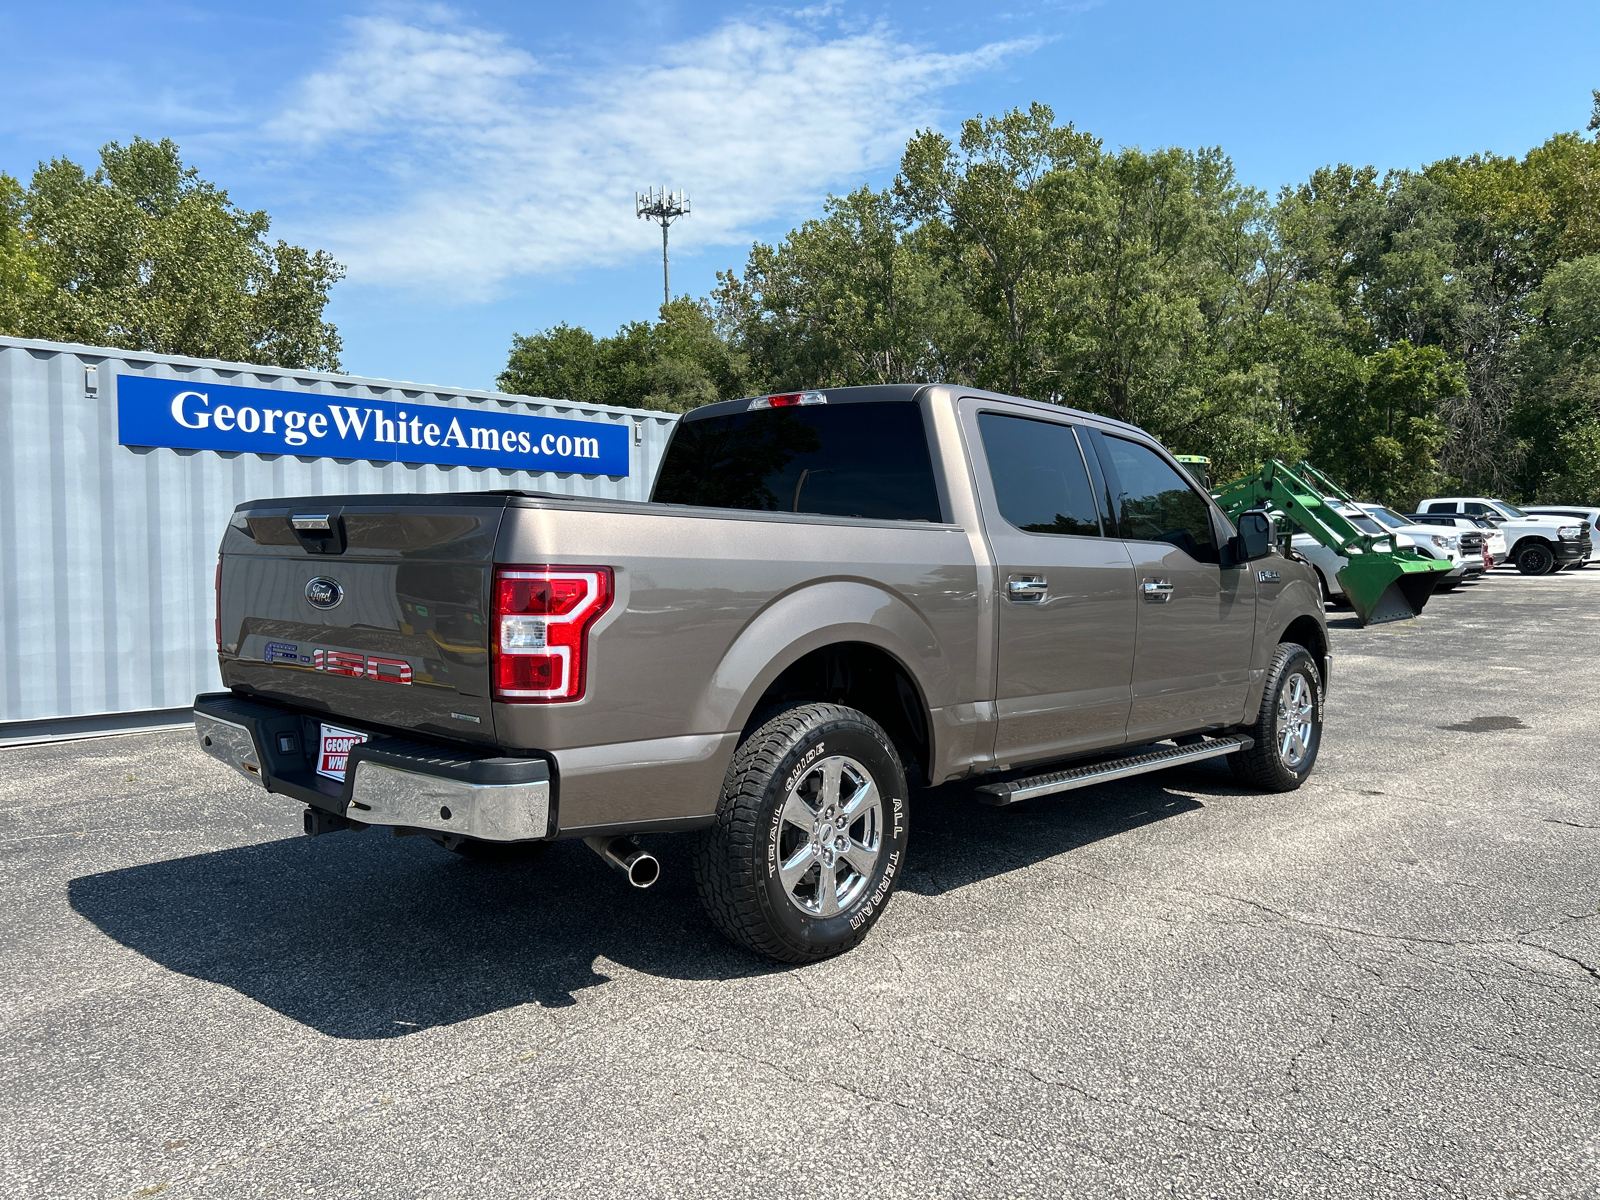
x,y
832,598
1571,512
1540,543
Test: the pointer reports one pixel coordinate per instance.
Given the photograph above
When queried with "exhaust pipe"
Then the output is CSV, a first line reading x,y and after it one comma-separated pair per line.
x,y
624,854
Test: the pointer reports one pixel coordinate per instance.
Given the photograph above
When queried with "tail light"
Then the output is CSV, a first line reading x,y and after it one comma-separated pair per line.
x,y
217,590
542,617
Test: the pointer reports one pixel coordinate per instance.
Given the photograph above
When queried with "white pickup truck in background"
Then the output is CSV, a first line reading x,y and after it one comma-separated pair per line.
x,y
1540,543
1591,515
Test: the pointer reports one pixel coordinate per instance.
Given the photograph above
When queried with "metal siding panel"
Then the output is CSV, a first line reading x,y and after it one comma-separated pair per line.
x,y
107,552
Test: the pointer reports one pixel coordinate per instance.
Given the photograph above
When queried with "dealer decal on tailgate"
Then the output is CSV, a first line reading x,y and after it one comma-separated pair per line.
x,y
335,753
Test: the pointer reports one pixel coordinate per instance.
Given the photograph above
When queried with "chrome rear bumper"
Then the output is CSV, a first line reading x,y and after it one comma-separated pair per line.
x,y
389,781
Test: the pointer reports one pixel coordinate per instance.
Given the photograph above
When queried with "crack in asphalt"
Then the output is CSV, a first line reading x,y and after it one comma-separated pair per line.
x,y
1405,939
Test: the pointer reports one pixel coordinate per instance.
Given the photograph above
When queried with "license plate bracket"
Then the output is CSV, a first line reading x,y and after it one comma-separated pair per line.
x,y
333,750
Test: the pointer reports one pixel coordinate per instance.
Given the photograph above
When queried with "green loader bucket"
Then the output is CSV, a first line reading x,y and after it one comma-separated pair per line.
x,y
1383,586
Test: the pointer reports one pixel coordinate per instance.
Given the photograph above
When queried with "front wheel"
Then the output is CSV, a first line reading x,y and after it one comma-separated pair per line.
x,y
1288,727
810,835
1535,559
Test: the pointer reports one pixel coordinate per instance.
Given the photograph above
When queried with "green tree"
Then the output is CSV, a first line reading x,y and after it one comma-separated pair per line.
x,y
1377,427
850,298
145,255
673,365
1557,416
987,210
24,291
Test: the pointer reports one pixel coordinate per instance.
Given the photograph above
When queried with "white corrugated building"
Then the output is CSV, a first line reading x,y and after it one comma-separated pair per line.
x,y
107,550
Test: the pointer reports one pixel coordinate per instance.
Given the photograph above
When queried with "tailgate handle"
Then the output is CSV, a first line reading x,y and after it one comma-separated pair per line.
x,y
320,532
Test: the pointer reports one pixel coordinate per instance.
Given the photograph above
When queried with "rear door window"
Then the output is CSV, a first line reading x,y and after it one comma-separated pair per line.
x,y
1040,481
846,460
1441,506
1154,503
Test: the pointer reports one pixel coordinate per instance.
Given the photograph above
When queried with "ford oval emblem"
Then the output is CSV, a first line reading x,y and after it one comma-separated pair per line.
x,y
324,593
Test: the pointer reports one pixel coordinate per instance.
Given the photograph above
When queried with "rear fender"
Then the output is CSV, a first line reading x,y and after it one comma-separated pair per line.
x,y
818,615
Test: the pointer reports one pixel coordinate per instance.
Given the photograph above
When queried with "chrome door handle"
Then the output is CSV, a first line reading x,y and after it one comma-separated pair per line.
x,y
1157,591
1026,589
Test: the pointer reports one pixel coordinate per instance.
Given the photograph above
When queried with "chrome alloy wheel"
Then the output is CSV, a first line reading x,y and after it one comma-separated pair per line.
x,y
1296,704
830,836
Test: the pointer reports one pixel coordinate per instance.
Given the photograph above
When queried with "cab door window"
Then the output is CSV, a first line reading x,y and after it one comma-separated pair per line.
x,y
1152,502
1040,481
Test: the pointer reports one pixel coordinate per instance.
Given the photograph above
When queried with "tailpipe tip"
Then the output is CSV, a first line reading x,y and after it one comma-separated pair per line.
x,y
640,867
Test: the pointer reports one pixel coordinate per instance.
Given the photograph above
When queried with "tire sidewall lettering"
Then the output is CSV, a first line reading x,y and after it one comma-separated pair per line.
x,y
861,745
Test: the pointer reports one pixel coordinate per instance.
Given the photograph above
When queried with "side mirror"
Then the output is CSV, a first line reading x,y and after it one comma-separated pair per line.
x,y
1255,536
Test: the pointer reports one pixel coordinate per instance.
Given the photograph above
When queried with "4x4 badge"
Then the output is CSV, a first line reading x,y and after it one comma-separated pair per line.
x,y
1261,576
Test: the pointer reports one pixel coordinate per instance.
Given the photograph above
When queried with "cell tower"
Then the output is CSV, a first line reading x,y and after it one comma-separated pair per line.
x,y
658,204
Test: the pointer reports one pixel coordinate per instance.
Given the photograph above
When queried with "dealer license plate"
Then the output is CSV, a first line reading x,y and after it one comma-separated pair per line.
x,y
335,753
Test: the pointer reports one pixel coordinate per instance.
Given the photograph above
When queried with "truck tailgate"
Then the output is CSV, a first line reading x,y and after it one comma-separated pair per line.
x,y
370,608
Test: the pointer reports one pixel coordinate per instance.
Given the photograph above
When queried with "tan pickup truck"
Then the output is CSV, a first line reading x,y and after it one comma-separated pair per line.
x,y
832,598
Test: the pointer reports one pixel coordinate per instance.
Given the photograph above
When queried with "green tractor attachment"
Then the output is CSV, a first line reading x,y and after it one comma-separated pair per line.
x,y
1383,580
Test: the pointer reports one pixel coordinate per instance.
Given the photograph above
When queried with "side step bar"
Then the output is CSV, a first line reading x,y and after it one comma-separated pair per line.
x,y
998,795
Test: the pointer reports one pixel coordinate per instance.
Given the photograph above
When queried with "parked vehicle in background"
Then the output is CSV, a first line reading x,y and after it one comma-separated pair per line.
x,y
1429,543
1539,544
1591,515
1467,548
1494,543
814,607
1198,466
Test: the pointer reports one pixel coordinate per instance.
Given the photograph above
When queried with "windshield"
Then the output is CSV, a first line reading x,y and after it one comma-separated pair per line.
x,y
1389,517
1510,510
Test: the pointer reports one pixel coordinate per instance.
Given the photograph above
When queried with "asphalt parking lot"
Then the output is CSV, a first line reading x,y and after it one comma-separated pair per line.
x,y
1385,984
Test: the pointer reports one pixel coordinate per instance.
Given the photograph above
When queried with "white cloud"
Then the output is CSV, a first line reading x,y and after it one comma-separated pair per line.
x,y
480,165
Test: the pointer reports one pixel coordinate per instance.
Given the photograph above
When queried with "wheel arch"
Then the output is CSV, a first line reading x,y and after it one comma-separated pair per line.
x,y
844,641
1529,539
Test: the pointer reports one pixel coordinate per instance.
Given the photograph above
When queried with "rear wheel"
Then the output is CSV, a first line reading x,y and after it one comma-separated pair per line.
x,y
810,835
1288,726
1535,558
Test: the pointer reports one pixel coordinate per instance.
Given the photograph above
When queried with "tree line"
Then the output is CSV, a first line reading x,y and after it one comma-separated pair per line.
x,y
1410,332
143,254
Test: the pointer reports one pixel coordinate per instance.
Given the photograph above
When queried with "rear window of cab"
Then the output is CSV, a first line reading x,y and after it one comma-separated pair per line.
x,y
866,459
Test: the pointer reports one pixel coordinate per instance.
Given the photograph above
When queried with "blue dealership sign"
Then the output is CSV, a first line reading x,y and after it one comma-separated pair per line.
x,y
189,415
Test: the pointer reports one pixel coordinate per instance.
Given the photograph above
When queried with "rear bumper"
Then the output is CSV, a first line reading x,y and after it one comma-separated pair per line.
x,y
389,780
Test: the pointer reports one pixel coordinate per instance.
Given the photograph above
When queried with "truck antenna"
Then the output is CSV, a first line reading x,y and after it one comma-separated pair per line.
x,y
658,204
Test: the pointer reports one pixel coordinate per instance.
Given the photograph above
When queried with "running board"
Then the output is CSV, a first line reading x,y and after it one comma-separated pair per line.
x,y
1000,794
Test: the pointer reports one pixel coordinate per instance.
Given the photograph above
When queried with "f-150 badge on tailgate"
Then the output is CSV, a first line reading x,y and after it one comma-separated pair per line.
x,y
324,593
341,662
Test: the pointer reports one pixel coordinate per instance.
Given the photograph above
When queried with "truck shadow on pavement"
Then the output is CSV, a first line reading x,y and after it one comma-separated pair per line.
x,y
369,936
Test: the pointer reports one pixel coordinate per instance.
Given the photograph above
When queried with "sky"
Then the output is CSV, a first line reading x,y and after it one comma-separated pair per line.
x,y
474,166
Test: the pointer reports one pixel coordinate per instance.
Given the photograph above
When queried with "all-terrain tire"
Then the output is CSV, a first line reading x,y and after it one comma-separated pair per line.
x,y
743,863
1269,764
1535,558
